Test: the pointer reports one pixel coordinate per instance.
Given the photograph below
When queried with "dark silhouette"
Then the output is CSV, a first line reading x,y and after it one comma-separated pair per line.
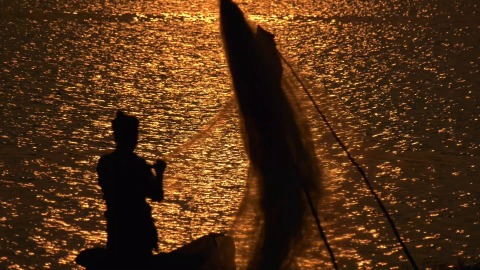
x,y
284,166
126,181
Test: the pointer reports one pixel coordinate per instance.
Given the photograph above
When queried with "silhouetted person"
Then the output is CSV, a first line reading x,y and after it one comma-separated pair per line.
x,y
126,181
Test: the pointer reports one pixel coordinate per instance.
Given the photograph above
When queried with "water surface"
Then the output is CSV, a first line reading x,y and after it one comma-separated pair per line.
x,y
399,81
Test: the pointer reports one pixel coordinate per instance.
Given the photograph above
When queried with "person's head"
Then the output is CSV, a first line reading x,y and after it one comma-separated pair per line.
x,y
125,131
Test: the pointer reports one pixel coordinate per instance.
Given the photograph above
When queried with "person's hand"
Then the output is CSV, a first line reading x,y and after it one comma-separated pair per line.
x,y
159,166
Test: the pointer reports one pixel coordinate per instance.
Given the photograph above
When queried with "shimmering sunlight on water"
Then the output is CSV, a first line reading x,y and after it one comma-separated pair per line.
x,y
399,80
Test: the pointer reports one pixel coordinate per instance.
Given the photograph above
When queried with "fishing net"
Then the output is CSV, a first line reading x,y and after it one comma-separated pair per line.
x,y
263,135
281,181
284,177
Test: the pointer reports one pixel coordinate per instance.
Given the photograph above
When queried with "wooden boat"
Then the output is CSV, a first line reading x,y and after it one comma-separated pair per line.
x,y
210,252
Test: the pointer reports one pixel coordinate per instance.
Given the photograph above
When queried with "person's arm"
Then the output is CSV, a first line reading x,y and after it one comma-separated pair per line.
x,y
103,173
156,194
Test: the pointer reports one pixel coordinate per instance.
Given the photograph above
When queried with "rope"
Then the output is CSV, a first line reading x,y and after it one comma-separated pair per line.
x,y
320,229
360,170
315,215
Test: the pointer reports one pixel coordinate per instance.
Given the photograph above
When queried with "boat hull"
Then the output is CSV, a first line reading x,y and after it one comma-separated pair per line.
x,y
213,252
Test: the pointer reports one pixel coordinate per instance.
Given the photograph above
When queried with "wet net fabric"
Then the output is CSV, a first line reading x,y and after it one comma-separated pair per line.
x,y
275,225
284,176
267,119
279,194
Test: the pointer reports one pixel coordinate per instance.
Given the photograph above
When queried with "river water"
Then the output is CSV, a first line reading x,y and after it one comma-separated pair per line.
x,y
398,80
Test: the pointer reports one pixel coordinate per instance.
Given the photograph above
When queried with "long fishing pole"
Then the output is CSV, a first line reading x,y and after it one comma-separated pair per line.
x,y
354,162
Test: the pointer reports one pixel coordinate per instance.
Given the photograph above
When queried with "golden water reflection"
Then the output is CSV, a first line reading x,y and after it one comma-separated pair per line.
x,y
398,81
